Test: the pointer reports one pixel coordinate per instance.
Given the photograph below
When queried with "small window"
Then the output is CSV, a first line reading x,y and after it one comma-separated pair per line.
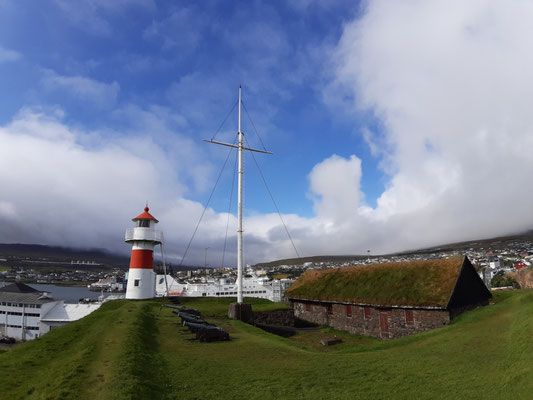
x,y
409,317
329,307
137,282
144,223
349,311
367,312
307,306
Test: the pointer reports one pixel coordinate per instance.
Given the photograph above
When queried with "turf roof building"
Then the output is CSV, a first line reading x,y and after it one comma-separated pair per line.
x,y
389,300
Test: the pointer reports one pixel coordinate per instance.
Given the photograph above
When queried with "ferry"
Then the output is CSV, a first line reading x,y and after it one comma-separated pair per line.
x,y
254,286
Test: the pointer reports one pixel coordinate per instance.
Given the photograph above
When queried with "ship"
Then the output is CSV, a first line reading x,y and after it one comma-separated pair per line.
x,y
253,286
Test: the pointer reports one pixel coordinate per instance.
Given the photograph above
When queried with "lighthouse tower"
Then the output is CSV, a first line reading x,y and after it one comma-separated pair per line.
x,y
143,239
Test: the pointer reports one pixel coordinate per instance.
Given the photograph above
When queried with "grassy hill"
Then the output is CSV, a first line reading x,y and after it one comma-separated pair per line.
x,y
136,350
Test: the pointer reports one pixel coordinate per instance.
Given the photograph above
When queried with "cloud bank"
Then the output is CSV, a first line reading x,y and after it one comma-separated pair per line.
x,y
449,83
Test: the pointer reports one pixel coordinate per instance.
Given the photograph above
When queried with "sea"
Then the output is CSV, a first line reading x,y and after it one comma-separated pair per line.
x,y
70,294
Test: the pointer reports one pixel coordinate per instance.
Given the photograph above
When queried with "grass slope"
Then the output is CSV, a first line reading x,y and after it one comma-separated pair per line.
x,y
136,350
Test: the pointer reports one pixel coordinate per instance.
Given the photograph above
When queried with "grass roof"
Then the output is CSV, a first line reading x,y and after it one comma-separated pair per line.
x,y
413,283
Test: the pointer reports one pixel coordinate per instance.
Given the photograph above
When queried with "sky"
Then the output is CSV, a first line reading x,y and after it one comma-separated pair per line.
x,y
394,125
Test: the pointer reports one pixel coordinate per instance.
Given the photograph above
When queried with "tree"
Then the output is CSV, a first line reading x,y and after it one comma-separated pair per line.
x,y
502,280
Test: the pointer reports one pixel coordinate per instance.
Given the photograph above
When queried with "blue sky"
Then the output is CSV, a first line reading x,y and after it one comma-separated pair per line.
x,y
188,58
376,134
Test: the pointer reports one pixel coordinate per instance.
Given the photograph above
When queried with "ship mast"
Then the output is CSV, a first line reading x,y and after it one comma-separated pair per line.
x,y
240,253
240,147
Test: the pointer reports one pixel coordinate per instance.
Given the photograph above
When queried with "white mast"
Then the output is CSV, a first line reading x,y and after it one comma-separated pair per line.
x,y
240,147
240,253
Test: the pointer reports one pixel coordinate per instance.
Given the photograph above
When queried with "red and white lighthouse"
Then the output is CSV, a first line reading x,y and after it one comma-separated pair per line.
x,y
143,238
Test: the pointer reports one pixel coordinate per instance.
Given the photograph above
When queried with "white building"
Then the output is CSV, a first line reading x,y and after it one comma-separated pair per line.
x,y
496,263
63,313
26,313
21,309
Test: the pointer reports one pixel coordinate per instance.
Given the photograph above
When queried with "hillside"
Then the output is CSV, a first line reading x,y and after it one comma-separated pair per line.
x,y
39,256
492,244
135,350
36,255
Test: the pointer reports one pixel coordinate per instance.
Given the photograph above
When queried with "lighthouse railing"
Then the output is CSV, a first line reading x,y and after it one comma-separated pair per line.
x,y
144,234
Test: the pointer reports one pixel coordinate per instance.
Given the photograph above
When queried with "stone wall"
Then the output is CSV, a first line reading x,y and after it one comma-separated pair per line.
x,y
385,323
280,318
275,317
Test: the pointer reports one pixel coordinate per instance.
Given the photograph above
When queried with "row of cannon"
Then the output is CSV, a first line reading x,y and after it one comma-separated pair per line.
x,y
192,319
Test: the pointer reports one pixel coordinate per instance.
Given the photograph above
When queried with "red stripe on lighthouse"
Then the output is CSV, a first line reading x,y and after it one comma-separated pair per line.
x,y
142,259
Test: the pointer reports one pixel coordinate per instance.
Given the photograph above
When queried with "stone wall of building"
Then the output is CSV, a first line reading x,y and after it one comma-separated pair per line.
x,y
385,323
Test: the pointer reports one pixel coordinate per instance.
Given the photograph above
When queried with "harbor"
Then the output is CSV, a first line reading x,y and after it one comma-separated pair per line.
x,y
70,294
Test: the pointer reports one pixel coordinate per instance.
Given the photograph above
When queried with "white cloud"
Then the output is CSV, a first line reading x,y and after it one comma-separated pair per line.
x,y
102,94
451,85
65,186
7,55
335,185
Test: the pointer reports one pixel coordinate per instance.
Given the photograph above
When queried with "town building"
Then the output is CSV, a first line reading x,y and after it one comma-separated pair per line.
x,y
26,313
389,300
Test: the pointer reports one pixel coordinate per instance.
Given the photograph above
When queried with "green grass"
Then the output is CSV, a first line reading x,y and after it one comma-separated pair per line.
x,y
136,350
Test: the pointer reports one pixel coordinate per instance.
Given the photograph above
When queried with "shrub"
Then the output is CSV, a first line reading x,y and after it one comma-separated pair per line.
x,y
502,280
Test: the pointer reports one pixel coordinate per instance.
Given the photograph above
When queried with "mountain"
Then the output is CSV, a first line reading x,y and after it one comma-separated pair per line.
x,y
38,255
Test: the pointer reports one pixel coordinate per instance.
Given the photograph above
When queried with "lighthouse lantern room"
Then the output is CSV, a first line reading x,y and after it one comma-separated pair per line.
x,y
143,238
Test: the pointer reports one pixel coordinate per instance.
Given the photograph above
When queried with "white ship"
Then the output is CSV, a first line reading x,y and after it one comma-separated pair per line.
x,y
258,287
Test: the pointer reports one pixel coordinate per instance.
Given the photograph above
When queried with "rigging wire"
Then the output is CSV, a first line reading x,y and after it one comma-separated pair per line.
x,y
253,125
207,204
164,268
229,209
223,122
273,201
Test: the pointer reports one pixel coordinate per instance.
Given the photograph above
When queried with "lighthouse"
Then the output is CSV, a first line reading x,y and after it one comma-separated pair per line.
x,y
143,238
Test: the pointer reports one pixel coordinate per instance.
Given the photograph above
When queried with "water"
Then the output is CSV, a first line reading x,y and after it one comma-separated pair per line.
x,y
71,294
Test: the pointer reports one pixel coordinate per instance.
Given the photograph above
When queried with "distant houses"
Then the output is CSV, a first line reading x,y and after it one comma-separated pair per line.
x,y
389,300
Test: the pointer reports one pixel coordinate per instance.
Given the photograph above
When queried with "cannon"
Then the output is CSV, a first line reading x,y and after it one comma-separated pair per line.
x,y
192,311
189,317
207,332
